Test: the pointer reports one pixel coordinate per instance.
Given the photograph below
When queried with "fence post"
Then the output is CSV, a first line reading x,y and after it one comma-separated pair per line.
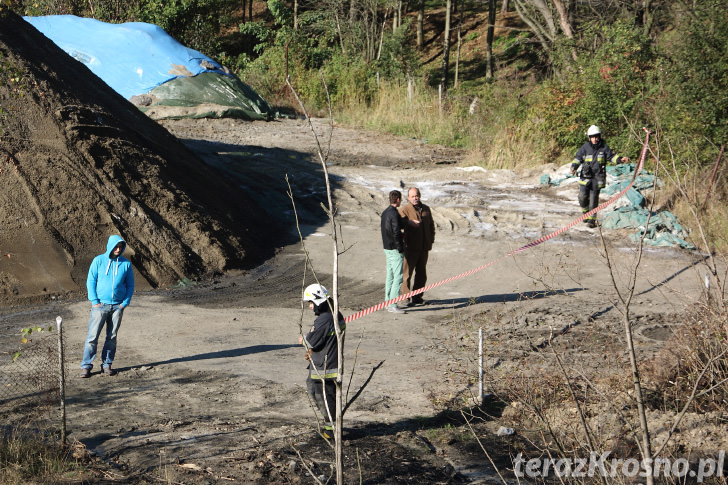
x,y
409,90
439,99
62,376
480,365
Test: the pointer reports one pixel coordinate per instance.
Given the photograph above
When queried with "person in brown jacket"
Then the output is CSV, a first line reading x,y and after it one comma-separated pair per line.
x,y
419,235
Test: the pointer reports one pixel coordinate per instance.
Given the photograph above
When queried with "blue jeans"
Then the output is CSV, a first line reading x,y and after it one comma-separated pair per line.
x,y
394,274
104,314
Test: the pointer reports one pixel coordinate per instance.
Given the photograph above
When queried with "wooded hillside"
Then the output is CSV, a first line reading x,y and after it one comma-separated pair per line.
x,y
517,82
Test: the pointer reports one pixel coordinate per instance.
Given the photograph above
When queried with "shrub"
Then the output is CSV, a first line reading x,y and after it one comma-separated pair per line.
x,y
693,76
700,343
603,88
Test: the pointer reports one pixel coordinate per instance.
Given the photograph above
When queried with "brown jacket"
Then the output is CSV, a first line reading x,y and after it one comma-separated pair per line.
x,y
418,238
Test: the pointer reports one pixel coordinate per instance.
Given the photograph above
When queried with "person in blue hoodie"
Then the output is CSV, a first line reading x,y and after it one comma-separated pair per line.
x,y
110,285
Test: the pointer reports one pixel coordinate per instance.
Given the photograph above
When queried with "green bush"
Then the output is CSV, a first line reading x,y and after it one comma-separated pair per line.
x,y
606,88
194,23
399,58
693,75
314,50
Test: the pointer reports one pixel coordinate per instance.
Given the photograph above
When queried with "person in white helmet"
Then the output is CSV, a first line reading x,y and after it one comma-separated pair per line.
x,y
593,157
322,354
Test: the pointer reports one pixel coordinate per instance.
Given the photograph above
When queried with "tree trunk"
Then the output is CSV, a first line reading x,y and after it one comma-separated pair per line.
x,y
446,46
244,10
370,28
250,10
564,19
536,27
295,14
381,36
338,31
547,16
420,21
565,24
490,64
647,17
457,55
505,6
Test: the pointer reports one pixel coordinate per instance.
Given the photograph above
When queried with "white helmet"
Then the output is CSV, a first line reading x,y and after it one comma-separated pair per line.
x,y
593,131
315,293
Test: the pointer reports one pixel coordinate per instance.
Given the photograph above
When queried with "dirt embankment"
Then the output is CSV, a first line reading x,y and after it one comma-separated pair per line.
x,y
79,163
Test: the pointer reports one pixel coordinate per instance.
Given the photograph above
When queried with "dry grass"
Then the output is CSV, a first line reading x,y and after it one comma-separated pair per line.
x,y
694,357
26,458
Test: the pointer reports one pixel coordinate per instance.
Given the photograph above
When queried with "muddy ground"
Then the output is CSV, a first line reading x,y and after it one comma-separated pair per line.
x,y
211,379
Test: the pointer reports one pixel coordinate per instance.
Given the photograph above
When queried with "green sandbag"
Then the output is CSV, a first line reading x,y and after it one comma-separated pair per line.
x,y
228,94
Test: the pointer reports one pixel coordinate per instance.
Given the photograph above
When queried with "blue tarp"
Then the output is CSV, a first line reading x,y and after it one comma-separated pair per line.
x,y
133,58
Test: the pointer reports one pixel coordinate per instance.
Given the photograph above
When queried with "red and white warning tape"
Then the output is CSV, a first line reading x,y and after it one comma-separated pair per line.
x,y
384,304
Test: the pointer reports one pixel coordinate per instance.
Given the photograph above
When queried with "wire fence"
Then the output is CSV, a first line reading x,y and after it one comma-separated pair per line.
x,y
32,382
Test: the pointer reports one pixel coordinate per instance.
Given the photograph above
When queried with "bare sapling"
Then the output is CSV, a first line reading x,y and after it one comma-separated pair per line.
x,y
582,417
335,284
624,301
625,297
693,207
703,354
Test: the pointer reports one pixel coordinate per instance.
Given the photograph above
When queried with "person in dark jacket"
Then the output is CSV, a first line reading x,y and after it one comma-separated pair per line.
x,y
393,249
419,235
322,354
593,157
110,286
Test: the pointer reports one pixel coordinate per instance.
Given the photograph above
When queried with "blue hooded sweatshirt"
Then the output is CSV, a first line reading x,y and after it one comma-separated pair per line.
x,y
111,280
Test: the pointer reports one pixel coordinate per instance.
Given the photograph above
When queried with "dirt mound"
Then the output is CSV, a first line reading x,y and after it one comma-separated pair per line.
x,y
78,163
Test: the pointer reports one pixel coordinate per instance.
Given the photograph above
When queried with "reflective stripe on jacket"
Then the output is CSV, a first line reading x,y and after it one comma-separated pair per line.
x,y
594,159
321,340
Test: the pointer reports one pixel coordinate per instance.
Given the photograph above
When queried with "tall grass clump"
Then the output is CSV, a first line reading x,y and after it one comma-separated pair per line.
x,y
29,459
698,200
693,362
407,111
489,123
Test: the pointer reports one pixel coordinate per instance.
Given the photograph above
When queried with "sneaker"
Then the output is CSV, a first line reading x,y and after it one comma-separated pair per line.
x,y
395,309
592,223
108,371
85,373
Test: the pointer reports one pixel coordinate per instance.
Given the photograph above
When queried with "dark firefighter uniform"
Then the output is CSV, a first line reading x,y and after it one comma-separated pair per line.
x,y
323,366
593,159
